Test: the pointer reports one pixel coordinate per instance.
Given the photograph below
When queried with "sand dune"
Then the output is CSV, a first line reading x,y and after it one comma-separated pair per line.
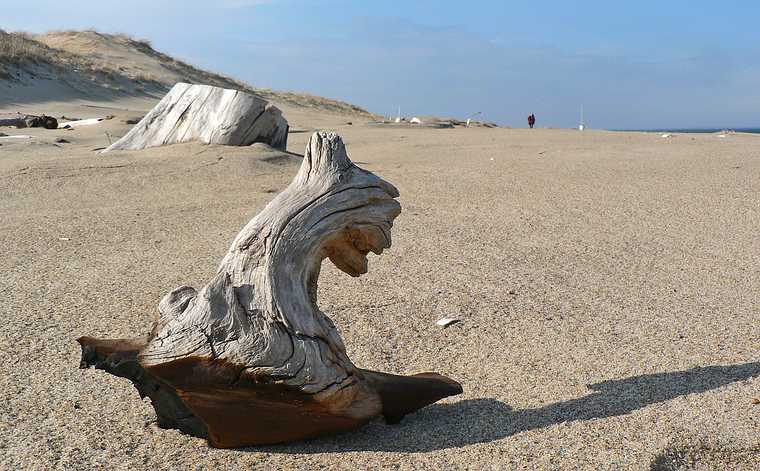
x,y
92,65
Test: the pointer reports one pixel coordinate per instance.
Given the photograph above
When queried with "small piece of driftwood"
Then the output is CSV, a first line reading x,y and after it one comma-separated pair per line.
x,y
80,122
207,114
447,321
31,121
250,359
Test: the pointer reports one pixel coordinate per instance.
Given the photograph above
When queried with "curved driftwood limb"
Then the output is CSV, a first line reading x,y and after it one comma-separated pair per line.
x,y
207,114
250,359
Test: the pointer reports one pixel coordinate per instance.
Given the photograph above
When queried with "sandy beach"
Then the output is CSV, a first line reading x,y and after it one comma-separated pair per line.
x,y
607,284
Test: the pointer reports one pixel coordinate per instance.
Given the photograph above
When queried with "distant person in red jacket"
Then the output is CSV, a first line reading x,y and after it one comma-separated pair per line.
x,y
531,120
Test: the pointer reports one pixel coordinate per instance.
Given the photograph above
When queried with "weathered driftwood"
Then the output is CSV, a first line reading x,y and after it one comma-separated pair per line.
x,y
250,359
30,121
207,114
81,122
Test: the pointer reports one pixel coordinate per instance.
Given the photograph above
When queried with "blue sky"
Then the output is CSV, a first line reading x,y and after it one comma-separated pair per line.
x,y
642,64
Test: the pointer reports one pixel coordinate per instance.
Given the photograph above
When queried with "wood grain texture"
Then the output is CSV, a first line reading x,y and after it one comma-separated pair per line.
x,y
251,356
207,114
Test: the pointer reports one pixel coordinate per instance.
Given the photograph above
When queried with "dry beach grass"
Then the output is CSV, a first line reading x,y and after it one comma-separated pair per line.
x,y
92,65
607,283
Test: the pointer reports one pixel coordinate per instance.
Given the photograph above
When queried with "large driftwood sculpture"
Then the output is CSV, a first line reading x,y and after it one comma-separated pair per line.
x,y
208,114
250,359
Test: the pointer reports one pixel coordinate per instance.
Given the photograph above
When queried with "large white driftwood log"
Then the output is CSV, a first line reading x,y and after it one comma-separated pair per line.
x,y
207,114
250,359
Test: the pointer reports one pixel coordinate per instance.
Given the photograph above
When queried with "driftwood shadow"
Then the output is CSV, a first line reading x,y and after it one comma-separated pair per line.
x,y
471,421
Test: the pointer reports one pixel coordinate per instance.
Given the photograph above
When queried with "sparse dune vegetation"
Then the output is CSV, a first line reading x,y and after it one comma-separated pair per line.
x,y
94,63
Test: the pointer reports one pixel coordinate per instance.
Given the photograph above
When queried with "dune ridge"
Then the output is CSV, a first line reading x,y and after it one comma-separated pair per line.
x,y
62,65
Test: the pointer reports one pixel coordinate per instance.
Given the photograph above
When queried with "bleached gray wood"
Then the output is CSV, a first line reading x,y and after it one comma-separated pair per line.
x,y
331,209
250,355
207,114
